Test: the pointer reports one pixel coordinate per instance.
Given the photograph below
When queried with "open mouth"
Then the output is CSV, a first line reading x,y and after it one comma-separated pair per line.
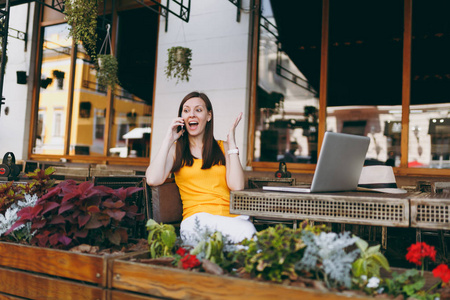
x,y
193,125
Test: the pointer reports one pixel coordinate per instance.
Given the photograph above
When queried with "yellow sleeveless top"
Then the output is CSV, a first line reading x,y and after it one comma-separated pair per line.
x,y
204,190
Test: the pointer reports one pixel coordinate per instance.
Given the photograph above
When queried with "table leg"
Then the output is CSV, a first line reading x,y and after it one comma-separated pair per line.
x,y
384,237
442,242
418,235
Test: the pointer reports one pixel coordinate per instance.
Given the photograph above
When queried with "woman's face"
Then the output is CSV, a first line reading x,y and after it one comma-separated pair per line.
x,y
195,116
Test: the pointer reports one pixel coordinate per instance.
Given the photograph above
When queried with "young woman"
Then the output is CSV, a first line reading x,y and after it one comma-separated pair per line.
x,y
205,170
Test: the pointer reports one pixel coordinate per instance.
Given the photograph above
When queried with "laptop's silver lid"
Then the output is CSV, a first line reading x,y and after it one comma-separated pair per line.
x,y
340,162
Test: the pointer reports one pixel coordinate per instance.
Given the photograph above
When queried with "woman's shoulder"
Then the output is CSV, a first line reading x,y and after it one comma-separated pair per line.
x,y
221,144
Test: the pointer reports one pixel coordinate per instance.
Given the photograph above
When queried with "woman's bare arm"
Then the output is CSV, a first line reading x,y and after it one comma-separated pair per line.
x,y
234,173
162,163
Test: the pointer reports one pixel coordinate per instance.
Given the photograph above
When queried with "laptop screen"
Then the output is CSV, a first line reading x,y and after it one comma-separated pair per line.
x,y
340,162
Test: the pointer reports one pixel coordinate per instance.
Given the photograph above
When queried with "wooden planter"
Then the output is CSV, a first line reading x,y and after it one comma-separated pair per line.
x,y
43,273
157,281
66,264
34,286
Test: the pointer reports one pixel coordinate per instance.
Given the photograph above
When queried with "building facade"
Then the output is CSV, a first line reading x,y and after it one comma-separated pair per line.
x,y
296,70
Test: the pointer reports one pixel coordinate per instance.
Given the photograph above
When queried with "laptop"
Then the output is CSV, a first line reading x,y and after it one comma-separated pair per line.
x,y
339,166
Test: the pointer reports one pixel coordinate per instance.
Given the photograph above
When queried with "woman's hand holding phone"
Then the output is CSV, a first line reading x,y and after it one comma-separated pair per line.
x,y
176,130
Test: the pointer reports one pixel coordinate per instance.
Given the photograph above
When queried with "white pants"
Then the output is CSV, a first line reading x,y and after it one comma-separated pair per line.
x,y
235,229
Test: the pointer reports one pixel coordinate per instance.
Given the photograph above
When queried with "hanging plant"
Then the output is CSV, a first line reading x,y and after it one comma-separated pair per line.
x,y
2,27
107,71
81,15
58,74
107,64
178,63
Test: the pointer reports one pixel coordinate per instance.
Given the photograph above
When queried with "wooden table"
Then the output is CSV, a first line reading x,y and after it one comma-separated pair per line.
x,y
426,212
346,207
430,215
362,208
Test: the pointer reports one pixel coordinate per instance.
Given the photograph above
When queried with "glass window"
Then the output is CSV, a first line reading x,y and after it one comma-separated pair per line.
x,y
286,115
365,75
429,119
131,121
58,124
53,100
89,109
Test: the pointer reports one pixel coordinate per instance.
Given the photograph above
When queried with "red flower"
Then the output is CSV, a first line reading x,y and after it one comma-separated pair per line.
x,y
418,251
189,262
181,252
443,272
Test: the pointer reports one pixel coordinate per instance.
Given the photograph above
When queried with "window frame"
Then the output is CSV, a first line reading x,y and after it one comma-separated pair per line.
x,y
49,17
406,95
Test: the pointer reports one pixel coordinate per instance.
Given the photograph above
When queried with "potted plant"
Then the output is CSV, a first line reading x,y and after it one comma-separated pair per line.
x,y
178,63
107,71
81,15
45,82
86,216
59,75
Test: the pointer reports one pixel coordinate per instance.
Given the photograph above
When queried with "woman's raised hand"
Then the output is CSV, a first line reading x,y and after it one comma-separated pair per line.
x,y
176,129
230,137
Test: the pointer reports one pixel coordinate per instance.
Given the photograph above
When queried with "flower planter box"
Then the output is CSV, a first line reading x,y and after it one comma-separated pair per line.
x,y
43,273
175,283
121,295
76,266
35,286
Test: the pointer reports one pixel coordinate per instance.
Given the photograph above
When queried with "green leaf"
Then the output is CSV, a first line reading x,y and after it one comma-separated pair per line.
x,y
359,268
49,171
151,224
373,250
362,244
153,251
169,238
381,259
412,288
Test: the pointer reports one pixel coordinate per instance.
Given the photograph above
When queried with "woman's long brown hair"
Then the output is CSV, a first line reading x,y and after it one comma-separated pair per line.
x,y
212,154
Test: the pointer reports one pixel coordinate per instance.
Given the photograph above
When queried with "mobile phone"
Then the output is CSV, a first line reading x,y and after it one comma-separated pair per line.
x,y
179,128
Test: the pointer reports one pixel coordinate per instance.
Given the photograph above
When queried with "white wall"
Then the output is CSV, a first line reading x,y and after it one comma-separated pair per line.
x,y
14,127
219,68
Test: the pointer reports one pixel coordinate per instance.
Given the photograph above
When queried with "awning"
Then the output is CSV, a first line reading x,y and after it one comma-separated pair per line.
x,y
137,133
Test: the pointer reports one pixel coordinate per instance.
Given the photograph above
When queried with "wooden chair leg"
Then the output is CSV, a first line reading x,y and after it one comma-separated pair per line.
x,y
418,235
442,242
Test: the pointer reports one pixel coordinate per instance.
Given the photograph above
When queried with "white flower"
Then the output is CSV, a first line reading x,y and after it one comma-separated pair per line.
x,y
363,277
373,283
29,201
10,217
